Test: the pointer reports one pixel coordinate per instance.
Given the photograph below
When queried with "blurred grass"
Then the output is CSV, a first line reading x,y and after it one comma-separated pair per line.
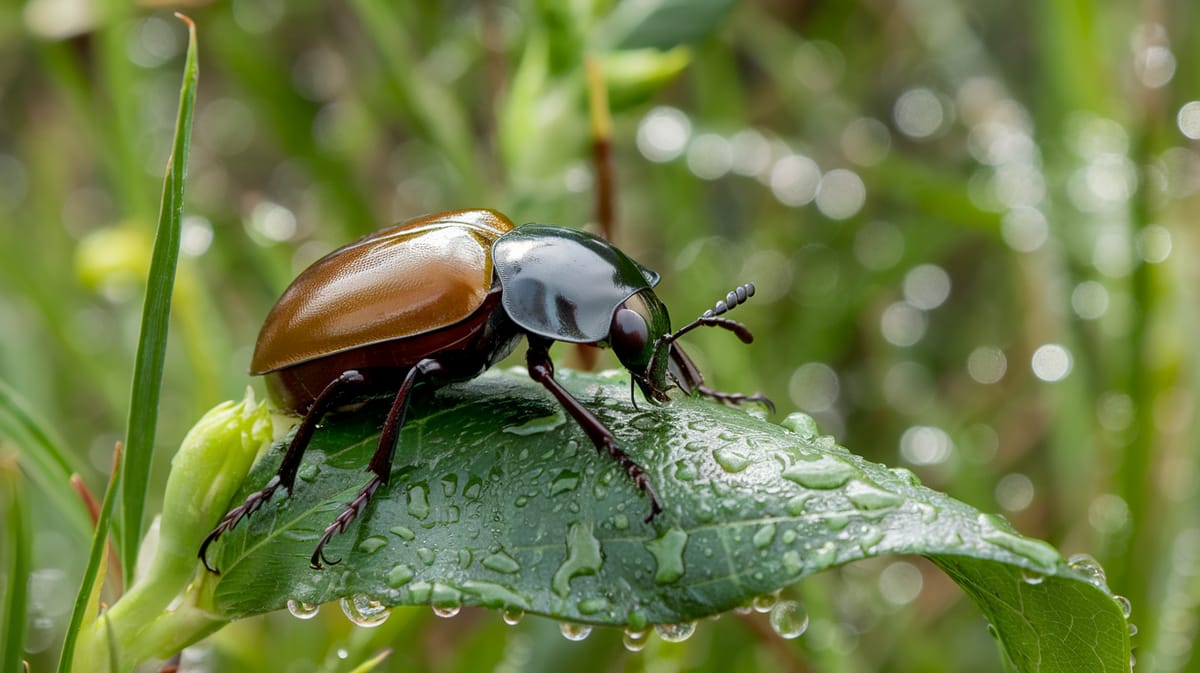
x,y
315,124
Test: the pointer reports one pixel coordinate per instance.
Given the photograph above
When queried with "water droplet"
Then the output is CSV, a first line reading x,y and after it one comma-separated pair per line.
x,y
521,501
1090,568
1123,603
869,537
364,611
685,471
308,472
1044,556
675,633
301,610
474,486
418,501
501,563
765,602
1032,576
792,562
1132,629
764,536
820,472
732,460
583,558
573,631
788,619
400,575
373,544
825,555
868,496
743,610
564,482
620,522
789,536
668,555
590,606
464,558
450,485
451,514
404,533
795,505
634,640
646,422
801,424
426,555
513,616
446,611
905,475
537,425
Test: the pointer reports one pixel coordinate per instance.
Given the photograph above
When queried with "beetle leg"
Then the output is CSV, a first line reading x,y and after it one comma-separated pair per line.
x,y
286,476
381,460
688,377
541,369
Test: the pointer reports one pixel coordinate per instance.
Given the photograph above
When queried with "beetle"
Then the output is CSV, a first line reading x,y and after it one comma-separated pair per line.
x,y
443,297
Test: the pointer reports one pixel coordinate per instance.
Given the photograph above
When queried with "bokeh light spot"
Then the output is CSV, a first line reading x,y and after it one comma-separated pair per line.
x,y
987,364
663,134
841,194
1051,362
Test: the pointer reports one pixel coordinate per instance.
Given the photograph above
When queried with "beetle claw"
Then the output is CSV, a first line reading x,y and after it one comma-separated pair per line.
x,y
231,519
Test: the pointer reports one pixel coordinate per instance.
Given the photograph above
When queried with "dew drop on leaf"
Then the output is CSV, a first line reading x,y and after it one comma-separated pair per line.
x,y
788,619
675,633
572,631
362,610
513,616
301,610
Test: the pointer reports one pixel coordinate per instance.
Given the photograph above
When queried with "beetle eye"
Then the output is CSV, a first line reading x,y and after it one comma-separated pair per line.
x,y
628,333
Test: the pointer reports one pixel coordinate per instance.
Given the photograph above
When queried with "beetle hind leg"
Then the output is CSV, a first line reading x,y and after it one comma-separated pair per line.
x,y
381,461
286,476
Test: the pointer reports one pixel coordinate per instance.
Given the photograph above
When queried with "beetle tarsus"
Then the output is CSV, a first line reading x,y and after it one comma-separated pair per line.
x,y
735,399
353,509
230,521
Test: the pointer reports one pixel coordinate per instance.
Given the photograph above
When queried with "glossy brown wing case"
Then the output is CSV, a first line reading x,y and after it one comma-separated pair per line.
x,y
366,293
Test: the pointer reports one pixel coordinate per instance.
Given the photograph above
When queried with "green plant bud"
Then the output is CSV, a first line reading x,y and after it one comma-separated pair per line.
x,y
212,461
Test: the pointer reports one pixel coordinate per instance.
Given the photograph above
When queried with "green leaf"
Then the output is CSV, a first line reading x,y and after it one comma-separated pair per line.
x,y
152,341
15,578
498,499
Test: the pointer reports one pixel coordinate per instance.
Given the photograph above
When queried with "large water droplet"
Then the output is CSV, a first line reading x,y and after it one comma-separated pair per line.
x,y
404,533
685,471
446,611
764,536
788,619
1032,577
400,575
801,424
513,616
765,602
418,501
1090,568
301,610
566,480
675,633
373,544
634,640
732,460
427,555
1040,553
364,611
501,563
583,558
868,496
820,472
1125,605
668,555
590,606
450,485
573,631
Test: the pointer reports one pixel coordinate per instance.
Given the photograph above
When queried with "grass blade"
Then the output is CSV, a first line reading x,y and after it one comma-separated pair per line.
x,y
17,574
152,343
42,457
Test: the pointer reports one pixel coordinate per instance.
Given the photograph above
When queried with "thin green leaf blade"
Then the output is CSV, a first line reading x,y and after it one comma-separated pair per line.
x,y
152,342
43,458
497,499
17,542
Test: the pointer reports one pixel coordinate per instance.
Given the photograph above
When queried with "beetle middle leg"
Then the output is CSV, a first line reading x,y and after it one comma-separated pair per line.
x,y
286,476
541,369
381,461
687,376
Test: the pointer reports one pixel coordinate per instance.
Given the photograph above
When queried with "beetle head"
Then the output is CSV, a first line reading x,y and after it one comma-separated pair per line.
x,y
636,336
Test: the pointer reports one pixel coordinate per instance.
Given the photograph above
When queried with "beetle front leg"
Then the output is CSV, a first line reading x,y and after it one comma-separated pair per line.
x,y
286,476
541,369
687,376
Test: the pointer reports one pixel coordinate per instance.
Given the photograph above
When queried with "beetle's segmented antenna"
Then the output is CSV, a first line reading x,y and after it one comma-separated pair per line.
x,y
736,297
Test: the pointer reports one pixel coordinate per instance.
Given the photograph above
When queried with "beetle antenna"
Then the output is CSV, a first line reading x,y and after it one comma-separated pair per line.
x,y
735,298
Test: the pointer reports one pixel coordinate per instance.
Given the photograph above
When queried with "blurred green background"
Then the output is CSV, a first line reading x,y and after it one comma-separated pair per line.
x,y
971,226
